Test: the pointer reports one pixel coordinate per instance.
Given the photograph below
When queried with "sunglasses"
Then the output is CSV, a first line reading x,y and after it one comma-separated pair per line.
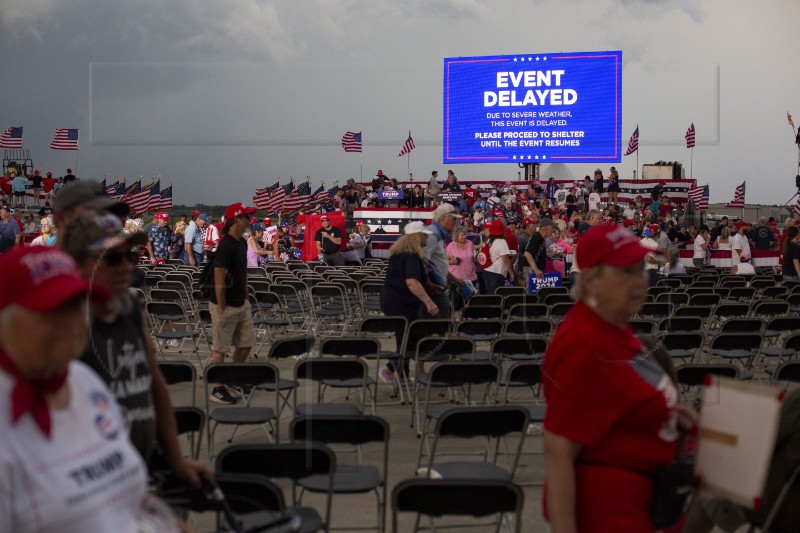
x,y
116,257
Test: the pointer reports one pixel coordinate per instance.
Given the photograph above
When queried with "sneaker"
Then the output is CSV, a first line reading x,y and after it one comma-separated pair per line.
x,y
386,375
221,395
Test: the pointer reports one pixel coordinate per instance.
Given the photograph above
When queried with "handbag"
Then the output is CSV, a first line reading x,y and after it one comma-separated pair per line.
x,y
671,488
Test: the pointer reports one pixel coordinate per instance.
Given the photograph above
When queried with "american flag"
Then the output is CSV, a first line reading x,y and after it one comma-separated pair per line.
x,y
690,136
700,197
288,190
117,190
140,200
738,197
408,146
131,190
299,197
166,199
351,142
12,138
65,139
154,200
797,207
319,195
261,197
276,198
633,144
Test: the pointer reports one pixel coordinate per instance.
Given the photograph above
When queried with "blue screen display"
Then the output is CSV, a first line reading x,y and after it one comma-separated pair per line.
x,y
533,108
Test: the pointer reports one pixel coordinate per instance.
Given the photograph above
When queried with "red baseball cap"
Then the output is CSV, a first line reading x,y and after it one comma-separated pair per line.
x,y
267,221
42,278
324,217
161,216
609,245
497,228
627,222
655,228
195,213
741,224
238,209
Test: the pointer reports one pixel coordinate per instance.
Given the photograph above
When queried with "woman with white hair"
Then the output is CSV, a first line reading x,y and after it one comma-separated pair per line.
x,y
48,236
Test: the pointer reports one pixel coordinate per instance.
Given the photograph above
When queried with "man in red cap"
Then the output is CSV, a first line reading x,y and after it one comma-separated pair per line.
x,y
69,177
158,239
739,241
328,240
231,318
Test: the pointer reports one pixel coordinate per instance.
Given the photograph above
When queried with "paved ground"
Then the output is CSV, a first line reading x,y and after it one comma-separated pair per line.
x,y
351,511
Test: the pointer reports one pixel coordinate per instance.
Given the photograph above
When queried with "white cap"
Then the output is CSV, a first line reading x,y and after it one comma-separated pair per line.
x,y
416,227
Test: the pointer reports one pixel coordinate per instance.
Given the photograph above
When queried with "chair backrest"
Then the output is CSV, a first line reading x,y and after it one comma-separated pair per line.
x,y
544,292
642,326
290,347
443,348
281,461
693,310
680,323
177,372
527,310
656,309
383,324
249,493
479,327
506,291
560,309
556,298
340,429
519,346
349,346
493,421
330,368
440,497
770,308
675,298
683,340
458,373
731,310
789,371
238,374
693,375
534,326
482,312
491,300
736,341
742,325
425,327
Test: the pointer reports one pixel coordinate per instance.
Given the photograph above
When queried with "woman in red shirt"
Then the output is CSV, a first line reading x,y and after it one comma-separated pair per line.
x,y
612,419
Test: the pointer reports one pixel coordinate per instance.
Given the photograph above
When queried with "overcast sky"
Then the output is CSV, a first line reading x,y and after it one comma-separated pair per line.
x,y
221,97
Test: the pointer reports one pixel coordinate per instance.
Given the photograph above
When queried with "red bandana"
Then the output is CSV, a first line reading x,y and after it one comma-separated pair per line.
x,y
29,395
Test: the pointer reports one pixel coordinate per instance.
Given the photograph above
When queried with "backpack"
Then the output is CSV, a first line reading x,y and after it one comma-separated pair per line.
x,y
484,257
207,280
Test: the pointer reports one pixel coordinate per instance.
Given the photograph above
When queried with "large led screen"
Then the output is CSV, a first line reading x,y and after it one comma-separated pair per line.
x,y
529,108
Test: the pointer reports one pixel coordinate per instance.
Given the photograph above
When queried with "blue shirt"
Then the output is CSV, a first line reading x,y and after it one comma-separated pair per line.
x,y
8,234
159,239
194,236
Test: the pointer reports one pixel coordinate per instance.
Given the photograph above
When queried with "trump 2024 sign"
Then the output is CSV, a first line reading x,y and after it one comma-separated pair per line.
x,y
533,108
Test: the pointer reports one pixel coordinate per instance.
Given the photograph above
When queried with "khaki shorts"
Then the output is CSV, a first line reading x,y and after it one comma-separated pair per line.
x,y
233,328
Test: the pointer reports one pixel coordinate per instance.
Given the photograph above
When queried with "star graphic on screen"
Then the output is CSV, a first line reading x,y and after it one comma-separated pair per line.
x,y
529,58
544,157
537,58
514,157
522,59
537,157
529,157
515,60
544,59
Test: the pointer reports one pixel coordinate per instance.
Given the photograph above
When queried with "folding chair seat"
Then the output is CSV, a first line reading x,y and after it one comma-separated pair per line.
x,y
375,326
319,370
742,347
370,296
175,372
528,310
724,312
482,312
532,327
519,349
293,305
355,477
454,376
776,329
293,461
245,377
522,374
435,498
794,302
685,345
678,324
272,315
170,322
330,309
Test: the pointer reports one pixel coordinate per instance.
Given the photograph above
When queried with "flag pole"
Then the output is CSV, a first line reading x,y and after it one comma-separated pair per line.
x,y
691,164
76,161
408,165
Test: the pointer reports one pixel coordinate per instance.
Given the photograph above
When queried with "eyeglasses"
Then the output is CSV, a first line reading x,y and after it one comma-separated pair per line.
x,y
116,257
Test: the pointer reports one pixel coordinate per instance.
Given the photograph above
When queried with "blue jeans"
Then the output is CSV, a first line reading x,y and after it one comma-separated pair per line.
x,y
491,281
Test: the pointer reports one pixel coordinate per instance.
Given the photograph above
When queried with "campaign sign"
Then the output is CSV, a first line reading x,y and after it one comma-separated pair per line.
x,y
550,279
447,197
390,194
559,108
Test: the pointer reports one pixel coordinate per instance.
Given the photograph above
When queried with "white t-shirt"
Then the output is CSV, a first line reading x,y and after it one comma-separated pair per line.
x,y
86,477
699,253
594,201
498,249
739,242
629,213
